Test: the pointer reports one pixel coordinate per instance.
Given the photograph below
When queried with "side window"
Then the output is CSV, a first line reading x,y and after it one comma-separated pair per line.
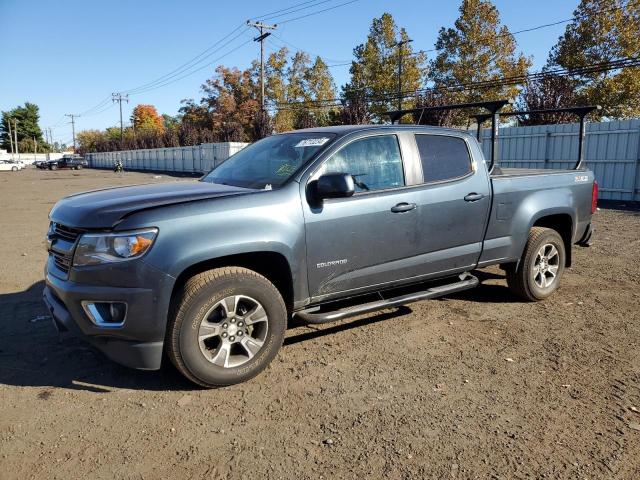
x,y
442,157
374,162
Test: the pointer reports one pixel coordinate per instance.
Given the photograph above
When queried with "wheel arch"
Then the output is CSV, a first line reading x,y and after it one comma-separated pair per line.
x,y
561,222
273,266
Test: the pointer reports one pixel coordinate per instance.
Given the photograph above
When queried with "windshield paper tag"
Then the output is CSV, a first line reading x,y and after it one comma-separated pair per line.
x,y
311,142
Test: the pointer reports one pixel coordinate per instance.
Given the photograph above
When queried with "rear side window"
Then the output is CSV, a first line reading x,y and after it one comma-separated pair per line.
x,y
443,157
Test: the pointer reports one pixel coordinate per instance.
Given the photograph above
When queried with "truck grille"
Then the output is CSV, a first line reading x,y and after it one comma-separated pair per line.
x,y
63,262
62,257
67,233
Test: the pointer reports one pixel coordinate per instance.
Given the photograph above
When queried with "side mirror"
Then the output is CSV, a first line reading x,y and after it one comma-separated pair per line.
x,y
335,185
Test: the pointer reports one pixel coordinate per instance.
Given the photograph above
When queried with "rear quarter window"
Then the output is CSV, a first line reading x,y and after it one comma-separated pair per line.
x,y
443,157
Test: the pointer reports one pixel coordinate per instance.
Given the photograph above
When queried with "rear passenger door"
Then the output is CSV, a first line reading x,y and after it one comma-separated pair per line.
x,y
453,203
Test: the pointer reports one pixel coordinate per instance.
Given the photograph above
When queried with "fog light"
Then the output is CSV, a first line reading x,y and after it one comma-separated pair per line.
x,y
106,314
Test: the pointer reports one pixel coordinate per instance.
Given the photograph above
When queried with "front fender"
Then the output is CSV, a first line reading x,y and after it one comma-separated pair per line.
x,y
191,233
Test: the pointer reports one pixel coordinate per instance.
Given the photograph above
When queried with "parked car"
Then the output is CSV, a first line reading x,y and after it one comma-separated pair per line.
x,y
8,165
318,224
74,162
18,163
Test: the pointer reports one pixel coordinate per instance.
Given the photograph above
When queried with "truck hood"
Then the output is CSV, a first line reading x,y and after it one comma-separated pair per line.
x,y
104,208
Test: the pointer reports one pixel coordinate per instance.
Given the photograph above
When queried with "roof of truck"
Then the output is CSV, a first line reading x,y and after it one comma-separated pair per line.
x,y
342,130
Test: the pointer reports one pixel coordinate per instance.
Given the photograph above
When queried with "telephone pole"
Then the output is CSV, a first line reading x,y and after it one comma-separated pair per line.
x,y
119,97
10,138
15,136
73,127
260,38
400,44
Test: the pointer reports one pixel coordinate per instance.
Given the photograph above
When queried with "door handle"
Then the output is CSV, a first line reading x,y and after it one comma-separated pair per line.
x,y
403,207
473,197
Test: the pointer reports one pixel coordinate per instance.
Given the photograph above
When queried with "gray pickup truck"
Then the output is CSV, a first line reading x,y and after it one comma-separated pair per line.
x,y
318,225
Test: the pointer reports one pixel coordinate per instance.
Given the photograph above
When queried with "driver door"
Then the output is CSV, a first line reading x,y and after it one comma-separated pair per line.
x,y
364,240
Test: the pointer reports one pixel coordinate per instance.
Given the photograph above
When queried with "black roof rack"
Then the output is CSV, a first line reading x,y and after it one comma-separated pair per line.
x,y
493,107
581,112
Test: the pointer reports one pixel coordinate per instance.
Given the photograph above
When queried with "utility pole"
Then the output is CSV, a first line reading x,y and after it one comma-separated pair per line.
x,y
15,136
400,44
10,138
119,97
260,38
73,128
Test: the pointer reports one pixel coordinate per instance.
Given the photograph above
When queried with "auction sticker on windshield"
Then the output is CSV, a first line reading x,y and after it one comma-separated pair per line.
x,y
311,142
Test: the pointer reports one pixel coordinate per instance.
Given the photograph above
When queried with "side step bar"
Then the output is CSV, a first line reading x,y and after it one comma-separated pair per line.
x,y
313,316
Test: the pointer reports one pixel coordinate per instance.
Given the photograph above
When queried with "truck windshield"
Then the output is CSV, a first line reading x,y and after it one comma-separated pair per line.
x,y
270,162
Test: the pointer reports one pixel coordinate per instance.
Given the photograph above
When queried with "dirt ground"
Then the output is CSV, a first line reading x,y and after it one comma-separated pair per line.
x,y
476,385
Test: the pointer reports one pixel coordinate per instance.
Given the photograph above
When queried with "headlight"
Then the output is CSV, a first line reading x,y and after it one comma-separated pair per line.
x,y
97,248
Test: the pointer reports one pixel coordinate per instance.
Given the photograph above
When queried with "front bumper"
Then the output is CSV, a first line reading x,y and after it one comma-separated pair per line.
x,y
138,343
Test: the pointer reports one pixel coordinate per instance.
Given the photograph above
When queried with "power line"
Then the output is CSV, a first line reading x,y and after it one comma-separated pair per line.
x,y
287,8
317,12
192,72
315,4
305,50
617,64
182,71
198,59
538,27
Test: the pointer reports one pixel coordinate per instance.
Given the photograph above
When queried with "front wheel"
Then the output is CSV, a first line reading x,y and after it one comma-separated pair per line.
x,y
14,169
540,269
228,325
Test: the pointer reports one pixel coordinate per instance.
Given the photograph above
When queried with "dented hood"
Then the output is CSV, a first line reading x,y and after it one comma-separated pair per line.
x,y
104,208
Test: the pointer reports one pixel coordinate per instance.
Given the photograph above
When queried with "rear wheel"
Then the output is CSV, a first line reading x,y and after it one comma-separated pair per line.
x,y
541,267
53,167
228,325
14,169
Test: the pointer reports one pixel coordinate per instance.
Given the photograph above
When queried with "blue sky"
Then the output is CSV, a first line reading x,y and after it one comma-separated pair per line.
x,y
69,55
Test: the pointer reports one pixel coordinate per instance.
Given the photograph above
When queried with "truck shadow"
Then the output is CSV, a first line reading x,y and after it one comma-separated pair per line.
x,y
32,353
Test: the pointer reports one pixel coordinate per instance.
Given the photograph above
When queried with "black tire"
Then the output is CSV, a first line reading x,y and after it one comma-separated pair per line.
x,y
14,169
79,167
53,167
198,296
525,280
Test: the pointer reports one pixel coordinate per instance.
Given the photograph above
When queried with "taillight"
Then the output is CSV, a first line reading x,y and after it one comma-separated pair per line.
x,y
594,197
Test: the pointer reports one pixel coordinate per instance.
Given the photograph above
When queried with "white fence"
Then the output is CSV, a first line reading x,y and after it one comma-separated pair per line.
x,y
612,151
194,159
29,158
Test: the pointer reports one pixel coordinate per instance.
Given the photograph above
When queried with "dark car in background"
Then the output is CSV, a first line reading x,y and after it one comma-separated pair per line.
x,y
74,162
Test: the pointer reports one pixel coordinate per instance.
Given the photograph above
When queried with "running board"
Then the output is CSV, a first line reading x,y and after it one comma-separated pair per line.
x,y
312,315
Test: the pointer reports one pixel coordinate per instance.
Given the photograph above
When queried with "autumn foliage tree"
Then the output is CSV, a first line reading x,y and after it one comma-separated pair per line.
x,y
605,30
374,70
546,93
146,118
477,49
